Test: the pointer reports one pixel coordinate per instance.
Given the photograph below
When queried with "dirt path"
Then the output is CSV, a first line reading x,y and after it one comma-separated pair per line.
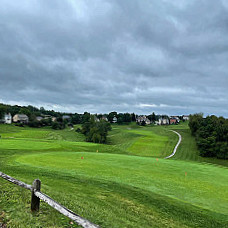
x,y
178,143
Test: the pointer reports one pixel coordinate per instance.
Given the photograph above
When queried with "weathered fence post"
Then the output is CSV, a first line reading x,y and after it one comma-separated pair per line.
x,y
35,201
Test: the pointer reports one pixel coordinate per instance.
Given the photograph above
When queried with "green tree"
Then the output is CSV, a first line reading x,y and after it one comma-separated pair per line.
x,y
133,117
85,117
2,111
111,115
195,122
96,131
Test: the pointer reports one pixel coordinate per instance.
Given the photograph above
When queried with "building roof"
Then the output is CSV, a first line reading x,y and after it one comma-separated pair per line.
x,y
66,117
22,115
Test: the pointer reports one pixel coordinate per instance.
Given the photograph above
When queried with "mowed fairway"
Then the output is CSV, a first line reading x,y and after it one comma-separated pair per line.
x,y
126,183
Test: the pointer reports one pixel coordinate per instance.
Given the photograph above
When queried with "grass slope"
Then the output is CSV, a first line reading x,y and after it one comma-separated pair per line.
x,y
123,184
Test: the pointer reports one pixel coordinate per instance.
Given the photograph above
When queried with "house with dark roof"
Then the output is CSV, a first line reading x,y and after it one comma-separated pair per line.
x,y
20,118
39,118
173,120
65,117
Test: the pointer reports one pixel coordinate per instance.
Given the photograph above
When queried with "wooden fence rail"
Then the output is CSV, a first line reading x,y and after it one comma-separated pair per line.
x,y
37,195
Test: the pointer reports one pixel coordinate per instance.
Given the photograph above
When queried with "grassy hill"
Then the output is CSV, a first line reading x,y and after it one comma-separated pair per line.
x,y
125,183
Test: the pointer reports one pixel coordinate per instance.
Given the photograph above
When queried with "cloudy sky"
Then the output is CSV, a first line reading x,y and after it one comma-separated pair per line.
x,y
167,56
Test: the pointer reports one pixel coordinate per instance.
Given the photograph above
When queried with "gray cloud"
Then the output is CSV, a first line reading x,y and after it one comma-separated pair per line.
x,y
104,55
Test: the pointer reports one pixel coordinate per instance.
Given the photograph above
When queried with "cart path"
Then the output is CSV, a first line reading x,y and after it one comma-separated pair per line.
x,y
177,145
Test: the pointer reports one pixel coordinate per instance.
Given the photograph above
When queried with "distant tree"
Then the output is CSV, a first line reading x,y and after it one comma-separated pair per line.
x,y
99,116
127,117
14,110
76,118
211,134
2,111
143,123
120,118
195,122
32,117
55,126
32,109
46,122
78,130
96,131
42,110
153,117
111,115
34,123
25,111
133,117
86,128
85,117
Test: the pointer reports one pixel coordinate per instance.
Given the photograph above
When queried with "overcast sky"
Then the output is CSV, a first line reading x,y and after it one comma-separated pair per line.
x,y
166,56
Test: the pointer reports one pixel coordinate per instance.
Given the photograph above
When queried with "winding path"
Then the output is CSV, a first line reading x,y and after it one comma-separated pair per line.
x,y
178,143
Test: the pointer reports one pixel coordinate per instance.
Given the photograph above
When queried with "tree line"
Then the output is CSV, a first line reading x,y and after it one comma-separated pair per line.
x,y
211,134
75,118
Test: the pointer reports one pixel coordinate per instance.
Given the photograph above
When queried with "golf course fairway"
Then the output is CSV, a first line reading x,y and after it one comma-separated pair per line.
x,y
125,183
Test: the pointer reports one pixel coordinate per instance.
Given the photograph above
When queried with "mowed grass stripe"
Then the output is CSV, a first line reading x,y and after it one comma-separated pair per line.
x,y
145,173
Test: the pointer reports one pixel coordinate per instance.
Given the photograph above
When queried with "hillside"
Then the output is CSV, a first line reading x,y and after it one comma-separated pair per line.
x,y
125,183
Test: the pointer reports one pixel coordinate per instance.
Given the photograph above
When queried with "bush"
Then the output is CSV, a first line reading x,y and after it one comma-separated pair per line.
x,y
55,125
78,130
34,124
19,124
96,131
58,125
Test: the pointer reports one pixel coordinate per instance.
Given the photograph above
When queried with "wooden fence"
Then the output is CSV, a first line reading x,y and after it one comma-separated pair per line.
x,y
37,195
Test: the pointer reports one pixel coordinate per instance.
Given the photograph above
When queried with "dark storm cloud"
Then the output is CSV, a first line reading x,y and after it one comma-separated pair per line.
x,y
142,56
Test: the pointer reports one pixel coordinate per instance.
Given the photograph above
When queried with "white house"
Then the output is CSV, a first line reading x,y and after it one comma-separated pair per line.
x,y
140,119
7,118
185,117
96,119
162,121
104,118
53,118
114,120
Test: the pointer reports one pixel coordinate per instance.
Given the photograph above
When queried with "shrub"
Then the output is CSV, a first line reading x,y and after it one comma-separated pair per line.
x,y
96,131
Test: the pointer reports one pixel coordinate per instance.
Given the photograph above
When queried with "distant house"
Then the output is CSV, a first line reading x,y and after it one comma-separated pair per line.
x,y
162,120
96,119
53,119
185,117
175,117
173,121
7,118
140,119
47,116
39,118
114,120
65,117
104,118
20,118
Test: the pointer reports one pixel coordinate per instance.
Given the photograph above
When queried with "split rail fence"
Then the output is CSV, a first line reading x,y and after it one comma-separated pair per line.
x,y
37,195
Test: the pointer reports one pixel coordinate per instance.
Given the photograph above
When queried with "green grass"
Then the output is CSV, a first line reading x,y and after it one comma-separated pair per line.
x,y
125,183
